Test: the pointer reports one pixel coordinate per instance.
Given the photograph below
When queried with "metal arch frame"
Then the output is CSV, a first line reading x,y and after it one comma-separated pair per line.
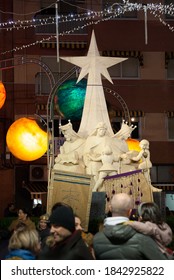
x,y
121,101
13,62
50,119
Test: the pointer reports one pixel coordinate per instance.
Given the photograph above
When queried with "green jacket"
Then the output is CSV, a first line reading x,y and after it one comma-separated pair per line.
x,y
122,242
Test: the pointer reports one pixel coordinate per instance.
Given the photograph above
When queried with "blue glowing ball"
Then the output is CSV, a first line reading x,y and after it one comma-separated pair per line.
x,y
69,99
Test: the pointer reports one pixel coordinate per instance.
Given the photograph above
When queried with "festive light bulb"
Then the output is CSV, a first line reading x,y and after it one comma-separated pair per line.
x,y
26,140
2,94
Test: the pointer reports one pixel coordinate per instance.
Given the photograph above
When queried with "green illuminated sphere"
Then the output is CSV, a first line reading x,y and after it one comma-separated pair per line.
x,y
69,99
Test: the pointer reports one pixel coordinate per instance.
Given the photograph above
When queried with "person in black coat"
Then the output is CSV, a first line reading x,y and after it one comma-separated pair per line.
x,y
64,243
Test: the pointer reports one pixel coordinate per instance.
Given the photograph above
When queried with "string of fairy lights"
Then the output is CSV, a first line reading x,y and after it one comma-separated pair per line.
x,y
87,18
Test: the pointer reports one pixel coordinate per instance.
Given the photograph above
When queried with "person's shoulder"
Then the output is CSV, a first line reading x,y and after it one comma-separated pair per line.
x,y
13,258
99,237
13,224
30,223
144,239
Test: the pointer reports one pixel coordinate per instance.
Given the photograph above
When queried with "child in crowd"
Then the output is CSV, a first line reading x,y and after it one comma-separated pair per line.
x,y
151,223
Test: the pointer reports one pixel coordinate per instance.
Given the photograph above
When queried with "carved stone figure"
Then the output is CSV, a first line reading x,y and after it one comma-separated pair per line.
x,y
107,159
70,157
94,146
144,156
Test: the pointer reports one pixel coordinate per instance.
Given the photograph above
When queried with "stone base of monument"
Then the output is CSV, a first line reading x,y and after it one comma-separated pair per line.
x,y
72,189
76,190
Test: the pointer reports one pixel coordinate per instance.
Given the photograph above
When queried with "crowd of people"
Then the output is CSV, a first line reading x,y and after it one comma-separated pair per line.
x,y
60,236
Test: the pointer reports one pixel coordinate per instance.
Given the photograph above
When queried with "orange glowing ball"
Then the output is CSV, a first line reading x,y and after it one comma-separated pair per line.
x,y
26,140
2,94
133,144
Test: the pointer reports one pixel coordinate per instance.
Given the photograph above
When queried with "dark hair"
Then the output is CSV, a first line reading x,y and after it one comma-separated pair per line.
x,y
26,211
150,212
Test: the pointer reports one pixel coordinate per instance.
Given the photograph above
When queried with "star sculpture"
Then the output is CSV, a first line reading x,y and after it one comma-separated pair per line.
x,y
95,109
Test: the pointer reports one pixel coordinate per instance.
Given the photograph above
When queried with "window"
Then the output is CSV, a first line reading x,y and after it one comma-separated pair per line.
x,y
42,86
64,9
170,69
36,201
126,69
171,128
169,2
162,174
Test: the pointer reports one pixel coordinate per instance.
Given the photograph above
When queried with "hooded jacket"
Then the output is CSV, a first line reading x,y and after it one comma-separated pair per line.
x,y
122,242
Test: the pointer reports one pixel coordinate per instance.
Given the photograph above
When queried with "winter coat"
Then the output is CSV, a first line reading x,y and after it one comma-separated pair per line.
x,y
72,248
162,234
43,234
122,242
28,222
20,254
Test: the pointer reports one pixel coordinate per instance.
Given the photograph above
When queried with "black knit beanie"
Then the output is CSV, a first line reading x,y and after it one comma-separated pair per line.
x,y
63,216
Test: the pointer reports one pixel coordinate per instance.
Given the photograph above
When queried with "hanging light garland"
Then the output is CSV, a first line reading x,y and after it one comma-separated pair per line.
x,y
90,18
113,11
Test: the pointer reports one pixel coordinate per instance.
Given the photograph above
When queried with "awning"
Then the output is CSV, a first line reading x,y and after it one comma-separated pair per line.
x,y
133,54
164,187
170,114
36,189
133,113
41,107
64,45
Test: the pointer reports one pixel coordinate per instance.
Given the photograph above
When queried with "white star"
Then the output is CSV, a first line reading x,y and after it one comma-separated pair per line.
x,y
95,109
94,64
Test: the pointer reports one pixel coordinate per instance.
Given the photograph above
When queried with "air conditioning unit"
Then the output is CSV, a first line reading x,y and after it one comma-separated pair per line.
x,y
38,173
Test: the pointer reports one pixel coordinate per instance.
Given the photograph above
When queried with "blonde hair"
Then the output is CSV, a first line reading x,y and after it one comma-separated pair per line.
x,y
24,238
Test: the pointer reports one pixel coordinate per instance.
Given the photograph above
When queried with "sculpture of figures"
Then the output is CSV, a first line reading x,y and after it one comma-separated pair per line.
x,y
94,146
144,156
107,158
145,162
96,142
125,155
70,157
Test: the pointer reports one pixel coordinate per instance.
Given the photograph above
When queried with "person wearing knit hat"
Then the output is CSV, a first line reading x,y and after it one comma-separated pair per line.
x,y
62,223
65,242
